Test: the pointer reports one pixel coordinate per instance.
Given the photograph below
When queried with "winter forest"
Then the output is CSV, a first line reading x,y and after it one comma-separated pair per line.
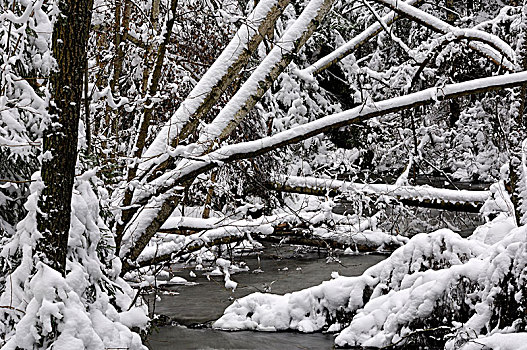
x,y
150,148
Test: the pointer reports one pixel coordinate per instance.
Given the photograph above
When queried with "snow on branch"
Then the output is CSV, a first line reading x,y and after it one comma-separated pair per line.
x,y
158,203
387,29
490,45
208,90
237,108
352,45
256,85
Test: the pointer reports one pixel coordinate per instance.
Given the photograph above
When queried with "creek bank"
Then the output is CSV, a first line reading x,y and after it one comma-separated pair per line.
x,y
188,310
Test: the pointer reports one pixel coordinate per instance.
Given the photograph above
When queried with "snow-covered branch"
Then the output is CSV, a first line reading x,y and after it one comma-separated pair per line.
x,y
487,44
156,209
352,45
419,195
204,96
264,75
316,228
495,49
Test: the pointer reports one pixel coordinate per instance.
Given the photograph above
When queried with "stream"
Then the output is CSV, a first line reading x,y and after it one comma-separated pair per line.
x,y
193,307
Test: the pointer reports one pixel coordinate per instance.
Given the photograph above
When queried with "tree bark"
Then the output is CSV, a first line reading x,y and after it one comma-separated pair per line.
x,y
69,41
451,14
121,33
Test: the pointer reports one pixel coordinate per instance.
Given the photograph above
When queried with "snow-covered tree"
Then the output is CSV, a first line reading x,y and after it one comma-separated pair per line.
x,y
207,105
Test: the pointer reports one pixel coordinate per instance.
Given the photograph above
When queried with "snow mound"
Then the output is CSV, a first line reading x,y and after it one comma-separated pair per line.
x,y
330,304
438,282
466,293
499,341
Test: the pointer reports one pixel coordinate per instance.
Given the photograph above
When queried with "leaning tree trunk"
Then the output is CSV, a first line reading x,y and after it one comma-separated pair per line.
x,y
237,108
69,41
153,209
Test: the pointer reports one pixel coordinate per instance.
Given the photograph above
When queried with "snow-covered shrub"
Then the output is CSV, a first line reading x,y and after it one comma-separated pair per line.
x,y
90,307
25,30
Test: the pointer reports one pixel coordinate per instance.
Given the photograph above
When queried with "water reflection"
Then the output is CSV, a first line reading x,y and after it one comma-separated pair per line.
x,y
182,338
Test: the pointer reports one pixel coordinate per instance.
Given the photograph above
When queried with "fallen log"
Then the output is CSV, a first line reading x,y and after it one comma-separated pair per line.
x,y
417,196
168,257
285,233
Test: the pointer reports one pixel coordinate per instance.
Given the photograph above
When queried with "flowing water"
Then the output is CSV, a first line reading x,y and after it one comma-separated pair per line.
x,y
283,271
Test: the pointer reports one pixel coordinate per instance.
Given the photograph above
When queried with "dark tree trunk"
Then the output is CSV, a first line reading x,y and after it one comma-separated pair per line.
x,y
69,41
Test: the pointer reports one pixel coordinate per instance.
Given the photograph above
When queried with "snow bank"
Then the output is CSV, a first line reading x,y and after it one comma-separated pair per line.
x,y
465,287
327,306
456,290
498,341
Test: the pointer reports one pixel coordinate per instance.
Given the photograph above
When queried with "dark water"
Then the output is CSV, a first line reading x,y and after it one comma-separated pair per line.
x,y
182,338
206,301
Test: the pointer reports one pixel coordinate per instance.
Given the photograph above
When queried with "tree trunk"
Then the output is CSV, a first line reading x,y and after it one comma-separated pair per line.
x,y
264,75
408,195
69,41
148,90
517,131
